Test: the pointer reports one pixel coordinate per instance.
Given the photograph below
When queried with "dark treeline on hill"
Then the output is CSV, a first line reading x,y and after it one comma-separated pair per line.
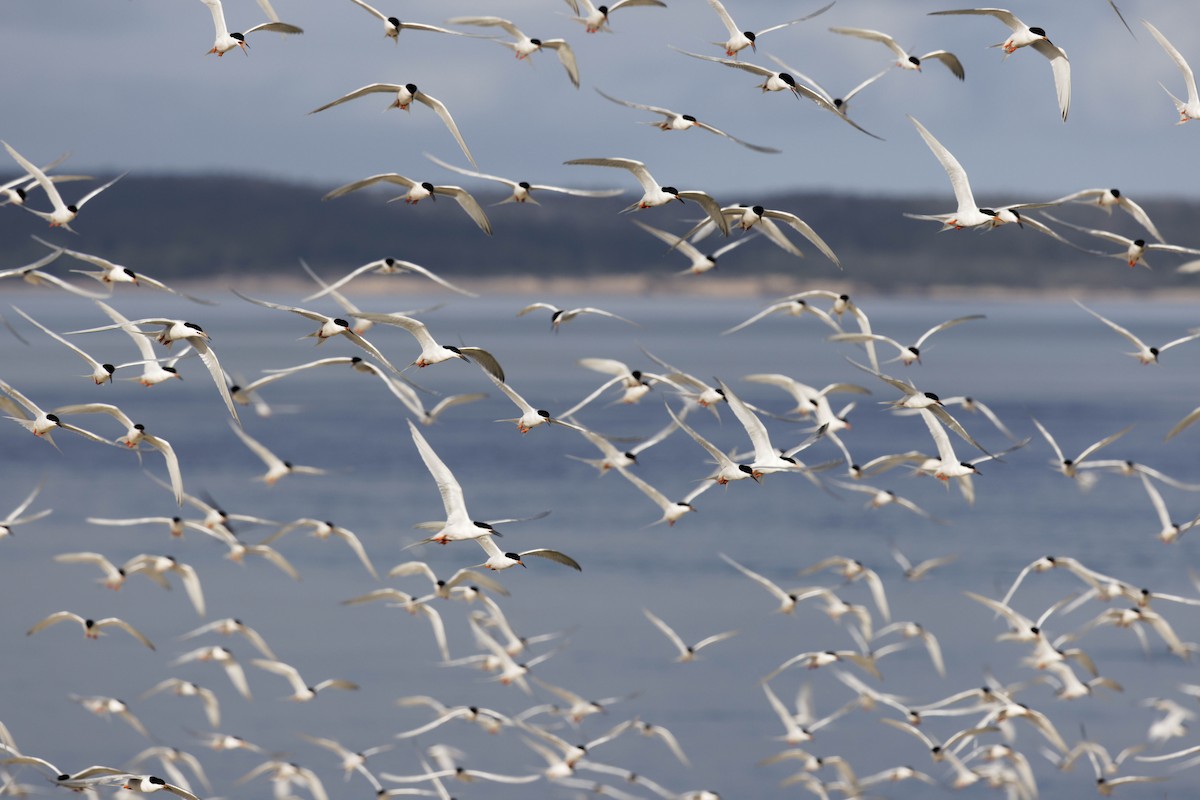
x,y
199,227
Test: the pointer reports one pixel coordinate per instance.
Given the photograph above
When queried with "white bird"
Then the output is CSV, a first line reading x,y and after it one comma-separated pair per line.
x,y
174,330
595,18
779,81
673,510
524,46
147,784
276,466
434,353
63,214
1070,466
906,60
530,417
1190,108
701,262
1135,249
182,688
1106,199
458,525
739,40
405,94
806,397
110,706
418,191
230,626
330,327
154,370
918,571
351,761
92,629
1025,36
522,191
793,307
14,518
34,275
114,576
761,218
135,435
1145,354
561,315
787,600
841,104
301,691
767,458
968,214
324,530
226,41
1170,531
727,469
907,353
674,121
498,559
886,497
615,458
224,657
686,652
38,422
101,373
13,193
392,26
110,273
445,588
655,194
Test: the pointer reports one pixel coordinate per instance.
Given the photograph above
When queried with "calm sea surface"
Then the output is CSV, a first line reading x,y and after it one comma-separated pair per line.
x,y
1046,359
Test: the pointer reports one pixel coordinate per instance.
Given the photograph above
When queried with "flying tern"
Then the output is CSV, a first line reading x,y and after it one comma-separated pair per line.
x,y
907,353
522,191
405,94
739,40
226,41
595,18
674,121
498,559
1188,109
701,262
418,191
654,194
392,26
434,353
14,518
301,691
41,423
673,510
324,530
686,652
276,466
182,688
1070,466
458,525
968,214
524,46
63,214
1107,199
1135,249
560,315
1145,354
906,60
111,273
530,417
1025,36
92,629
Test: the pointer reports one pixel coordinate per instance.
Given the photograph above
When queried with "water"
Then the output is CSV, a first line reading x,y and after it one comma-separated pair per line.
x,y
1043,358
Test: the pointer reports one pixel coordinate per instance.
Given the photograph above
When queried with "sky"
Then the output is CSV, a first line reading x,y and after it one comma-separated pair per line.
x,y
126,86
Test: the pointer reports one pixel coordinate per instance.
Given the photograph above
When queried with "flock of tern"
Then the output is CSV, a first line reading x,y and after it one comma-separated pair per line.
x,y
1001,737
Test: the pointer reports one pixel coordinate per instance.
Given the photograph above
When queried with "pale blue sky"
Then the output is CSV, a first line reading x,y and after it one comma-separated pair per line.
x,y
126,85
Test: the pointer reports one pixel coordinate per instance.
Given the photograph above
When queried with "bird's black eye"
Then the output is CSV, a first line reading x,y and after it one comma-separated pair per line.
x,y
411,88
788,79
837,102
427,186
453,349
157,781
525,185
193,326
543,413
395,22
670,190
537,42
53,418
688,117
1038,31
987,211
355,360
1140,242
342,322
914,60
749,35
745,469
139,427
1115,192
932,397
237,36
758,210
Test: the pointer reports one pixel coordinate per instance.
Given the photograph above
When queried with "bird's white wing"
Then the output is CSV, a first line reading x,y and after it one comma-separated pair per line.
x,y
954,170
440,107
1062,73
371,88
1188,77
452,495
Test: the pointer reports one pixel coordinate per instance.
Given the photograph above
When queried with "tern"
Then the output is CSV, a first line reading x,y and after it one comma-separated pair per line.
x,y
434,353
458,525
1106,199
491,721
673,510
101,373
793,307
324,530
1135,249
14,193
182,688
156,568
111,273
63,214
701,262
92,629
135,435
674,121
739,40
524,46
727,470
907,353
41,423
522,191
230,626
393,26
114,576
686,652
444,588
330,327
968,214
886,497
226,41
224,657
154,370
1189,109
174,330
405,94
762,219
595,18
614,458
920,570
561,315
146,784
779,81
276,466
787,600
1025,36
530,417
14,518
34,275
1069,466
1145,354
301,691
498,559
352,761
418,191
654,194
806,397
906,60
841,104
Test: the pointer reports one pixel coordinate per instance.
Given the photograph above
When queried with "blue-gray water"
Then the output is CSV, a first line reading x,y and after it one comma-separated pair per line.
x,y
1044,358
